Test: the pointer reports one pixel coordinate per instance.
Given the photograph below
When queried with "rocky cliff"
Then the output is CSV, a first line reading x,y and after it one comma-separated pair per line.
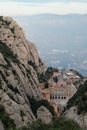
x,y
19,68
77,107
81,119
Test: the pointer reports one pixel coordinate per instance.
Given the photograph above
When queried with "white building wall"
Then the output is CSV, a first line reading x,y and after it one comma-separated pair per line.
x,y
60,96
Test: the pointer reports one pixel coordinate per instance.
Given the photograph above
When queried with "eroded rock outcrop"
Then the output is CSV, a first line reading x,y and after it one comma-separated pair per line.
x,y
1,126
44,114
19,68
81,119
77,106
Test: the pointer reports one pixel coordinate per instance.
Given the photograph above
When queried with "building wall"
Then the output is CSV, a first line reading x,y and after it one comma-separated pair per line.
x,y
61,95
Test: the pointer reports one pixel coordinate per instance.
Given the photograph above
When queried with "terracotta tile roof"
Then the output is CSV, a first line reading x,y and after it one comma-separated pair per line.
x,y
56,85
68,80
56,74
45,91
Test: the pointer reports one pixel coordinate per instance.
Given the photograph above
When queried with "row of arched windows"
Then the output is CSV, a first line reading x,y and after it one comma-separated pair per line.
x,y
57,97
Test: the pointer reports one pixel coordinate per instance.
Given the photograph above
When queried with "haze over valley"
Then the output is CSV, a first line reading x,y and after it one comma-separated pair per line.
x,y
60,39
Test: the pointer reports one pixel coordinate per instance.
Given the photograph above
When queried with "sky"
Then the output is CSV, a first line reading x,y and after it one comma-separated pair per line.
x,y
32,7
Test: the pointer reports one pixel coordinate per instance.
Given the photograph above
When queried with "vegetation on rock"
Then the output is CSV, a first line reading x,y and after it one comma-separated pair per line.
x,y
79,99
44,77
56,124
7,53
8,123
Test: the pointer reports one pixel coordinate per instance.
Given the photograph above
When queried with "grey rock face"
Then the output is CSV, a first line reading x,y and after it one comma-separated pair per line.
x,y
44,114
80,119
19,65
13,35
1,126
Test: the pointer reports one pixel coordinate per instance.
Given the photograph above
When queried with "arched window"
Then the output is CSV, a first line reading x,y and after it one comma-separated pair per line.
x,y
55,97
50,96
61,97
58,97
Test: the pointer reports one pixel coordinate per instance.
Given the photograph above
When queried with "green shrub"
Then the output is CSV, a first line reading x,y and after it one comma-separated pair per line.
x,y
11,96
48,74
42,77
0,86
14,72
1,18
10,86
22,114
56,124
7,53
12,30
30,62
1,111
14,89
8,123
3,76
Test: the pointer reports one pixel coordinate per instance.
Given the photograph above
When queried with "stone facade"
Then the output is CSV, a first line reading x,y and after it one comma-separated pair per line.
x,y
59,92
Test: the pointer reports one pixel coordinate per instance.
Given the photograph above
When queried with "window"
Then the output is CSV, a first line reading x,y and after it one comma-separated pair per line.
x,y
50,96
55,97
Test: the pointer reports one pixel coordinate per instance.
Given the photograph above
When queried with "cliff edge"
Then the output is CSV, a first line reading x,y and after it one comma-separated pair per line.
x,y
20,65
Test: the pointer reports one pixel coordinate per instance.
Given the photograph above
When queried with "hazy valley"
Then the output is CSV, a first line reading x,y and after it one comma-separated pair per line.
x,y
60,39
